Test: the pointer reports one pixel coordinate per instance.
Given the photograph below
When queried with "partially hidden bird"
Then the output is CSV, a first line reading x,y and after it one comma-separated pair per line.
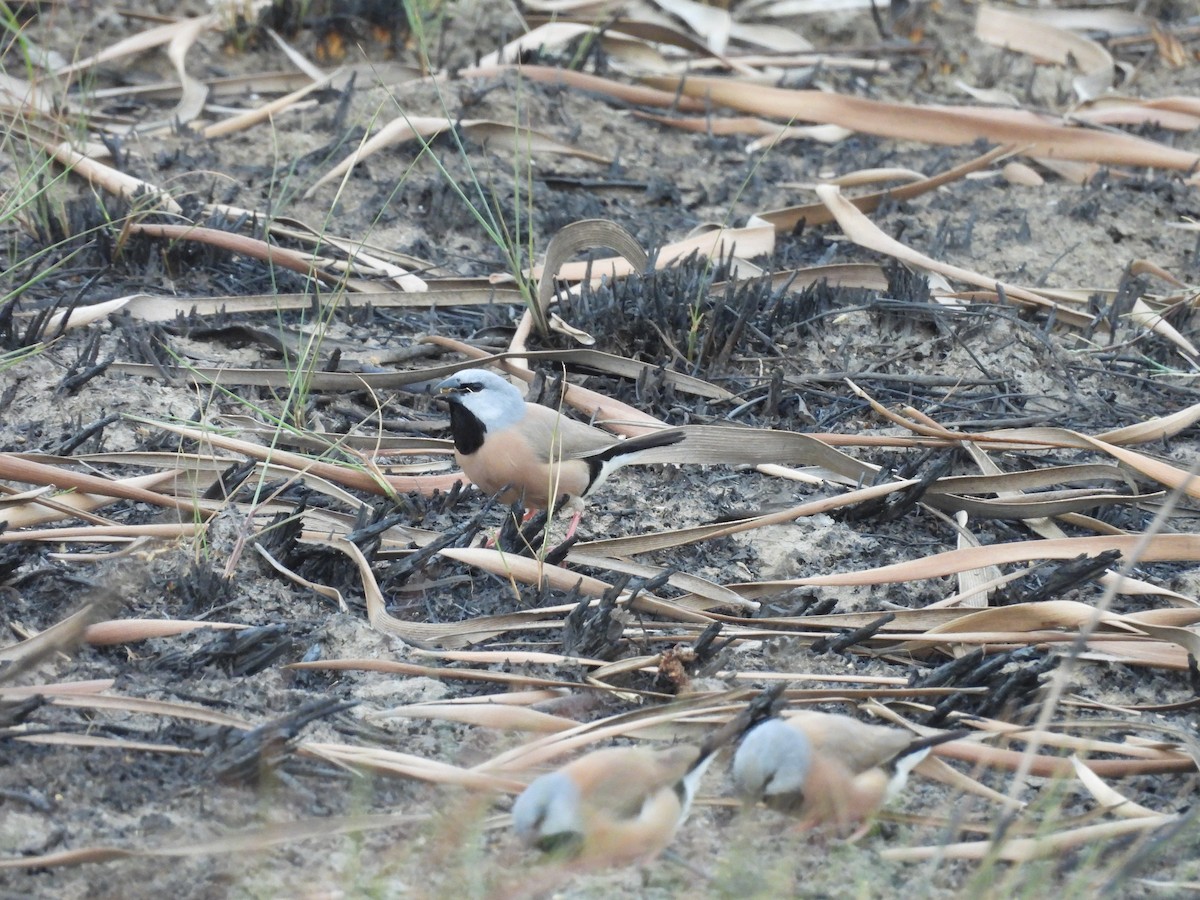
x,y
623,805
826,769
531,452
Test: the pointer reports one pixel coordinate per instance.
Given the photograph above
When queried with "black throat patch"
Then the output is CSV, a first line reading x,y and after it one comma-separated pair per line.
x,y
468,431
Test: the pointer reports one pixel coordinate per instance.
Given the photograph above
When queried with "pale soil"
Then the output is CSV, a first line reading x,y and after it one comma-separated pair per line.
x,y
58,798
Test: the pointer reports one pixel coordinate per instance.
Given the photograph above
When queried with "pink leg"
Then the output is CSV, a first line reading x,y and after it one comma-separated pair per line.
x,y
574,524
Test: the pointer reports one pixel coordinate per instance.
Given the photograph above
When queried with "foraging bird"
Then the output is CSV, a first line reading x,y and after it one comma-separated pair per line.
x,y
623,805
614,806
827,769
534,452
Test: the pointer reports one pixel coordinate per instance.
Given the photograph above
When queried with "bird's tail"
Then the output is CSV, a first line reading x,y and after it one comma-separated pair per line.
x,y
604,462
900,765
651,440
761,707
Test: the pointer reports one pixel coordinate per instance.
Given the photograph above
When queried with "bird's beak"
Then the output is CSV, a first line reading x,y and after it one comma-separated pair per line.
x,y
449,386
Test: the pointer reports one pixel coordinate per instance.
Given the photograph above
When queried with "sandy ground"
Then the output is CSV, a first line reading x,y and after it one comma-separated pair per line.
x,y
984,366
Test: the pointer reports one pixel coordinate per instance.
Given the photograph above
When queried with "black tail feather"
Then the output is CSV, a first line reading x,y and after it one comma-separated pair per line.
x,y
929,741
664,438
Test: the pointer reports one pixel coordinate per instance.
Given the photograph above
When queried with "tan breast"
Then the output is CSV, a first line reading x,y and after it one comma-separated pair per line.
x,y
537,457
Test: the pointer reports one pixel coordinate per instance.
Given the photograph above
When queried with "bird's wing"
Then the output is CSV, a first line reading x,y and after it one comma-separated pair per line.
x,y
554,436
642,446
860,745
621,790
546,427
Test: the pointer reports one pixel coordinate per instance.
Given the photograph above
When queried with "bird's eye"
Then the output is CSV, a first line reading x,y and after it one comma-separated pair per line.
x,y
471,387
